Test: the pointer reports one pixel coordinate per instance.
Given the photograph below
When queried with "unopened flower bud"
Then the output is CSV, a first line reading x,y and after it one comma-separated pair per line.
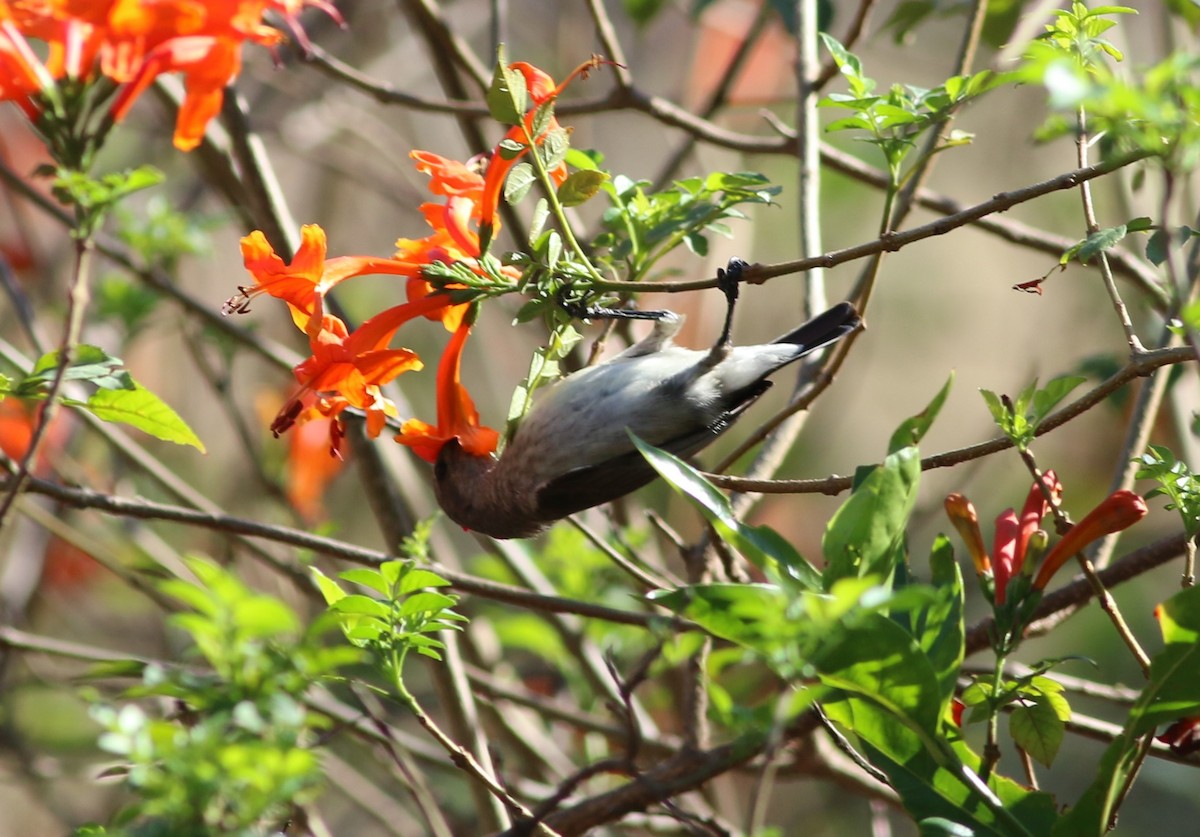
x,y
1034,549
962,514
1118,511
1004,551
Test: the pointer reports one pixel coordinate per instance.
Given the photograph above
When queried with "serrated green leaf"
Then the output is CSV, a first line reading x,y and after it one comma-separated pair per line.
x,y
1100,241
580,187
520,181
1036,728
141,408
507,97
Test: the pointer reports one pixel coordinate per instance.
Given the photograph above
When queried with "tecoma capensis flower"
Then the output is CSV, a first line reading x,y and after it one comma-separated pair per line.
x,y
541,89
1118,511
132,42
962,515
309,275
458,420
352,366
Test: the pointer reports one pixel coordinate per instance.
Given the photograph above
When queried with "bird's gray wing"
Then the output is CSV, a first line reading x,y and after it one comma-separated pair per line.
x,y
593,485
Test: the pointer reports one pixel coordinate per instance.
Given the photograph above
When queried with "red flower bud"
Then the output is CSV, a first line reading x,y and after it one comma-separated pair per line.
x,y
956,711
962,514
1034,510
1004,551
1118,511
1183,736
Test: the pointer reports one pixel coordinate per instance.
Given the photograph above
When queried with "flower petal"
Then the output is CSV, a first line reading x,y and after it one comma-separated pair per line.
x,y
1118,511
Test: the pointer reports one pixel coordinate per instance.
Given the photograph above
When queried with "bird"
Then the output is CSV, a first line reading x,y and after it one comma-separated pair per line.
x,y
573,450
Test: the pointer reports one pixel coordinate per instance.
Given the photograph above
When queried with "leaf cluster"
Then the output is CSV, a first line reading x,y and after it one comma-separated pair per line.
x,y
1020,419
237,756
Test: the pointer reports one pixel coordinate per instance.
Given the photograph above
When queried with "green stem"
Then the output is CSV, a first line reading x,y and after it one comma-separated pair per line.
x,y
560,212
991,749
459,755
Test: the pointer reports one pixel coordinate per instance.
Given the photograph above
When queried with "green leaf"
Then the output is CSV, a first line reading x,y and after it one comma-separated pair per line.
x,y
928,778
1172,693
1037,727
580,187
753,615
88,363
507,98
371,579
361,606
938,628
328,587
761,545
264,616
520,181
586,160
913,429
1048,397
877,660
141,408
862,537
427,602
417,578
1095,243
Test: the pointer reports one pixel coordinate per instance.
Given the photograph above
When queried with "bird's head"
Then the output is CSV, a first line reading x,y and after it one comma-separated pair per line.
x,y
472,497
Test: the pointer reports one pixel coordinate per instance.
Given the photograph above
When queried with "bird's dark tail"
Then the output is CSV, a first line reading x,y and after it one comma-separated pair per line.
x,y
825,328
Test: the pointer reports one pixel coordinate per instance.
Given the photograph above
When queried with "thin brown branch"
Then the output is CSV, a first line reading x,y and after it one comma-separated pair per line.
x,y
1140,366
229,524
898,240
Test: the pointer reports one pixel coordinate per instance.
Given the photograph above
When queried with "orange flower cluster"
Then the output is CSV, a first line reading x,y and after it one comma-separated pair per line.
x,y
1014,534
348,368
132,42
541,89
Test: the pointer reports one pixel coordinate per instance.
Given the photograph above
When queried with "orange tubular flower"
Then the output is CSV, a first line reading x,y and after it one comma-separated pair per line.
x,y
541,89
21,73
1013,534
313,461
1036,507
1005,559
449,178
1117,512
351,367
457,416
309,276
201,40
962,514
